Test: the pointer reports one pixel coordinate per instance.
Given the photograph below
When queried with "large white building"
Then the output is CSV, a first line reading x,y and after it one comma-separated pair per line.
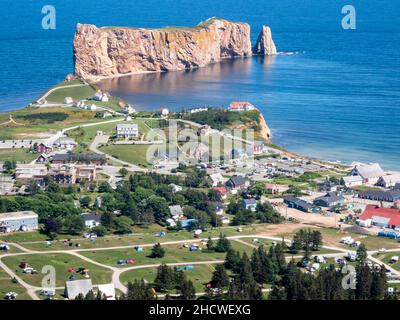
x,y
18,221
127,130
388,180
370,173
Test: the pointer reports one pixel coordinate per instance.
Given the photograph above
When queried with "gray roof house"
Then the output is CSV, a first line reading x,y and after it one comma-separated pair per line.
x,y
236,182
91,219
331,199
75,287
380,195
293,202
250,204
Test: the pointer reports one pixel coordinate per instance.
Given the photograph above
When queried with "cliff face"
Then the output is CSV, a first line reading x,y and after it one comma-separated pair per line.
x,y
265,45
109,52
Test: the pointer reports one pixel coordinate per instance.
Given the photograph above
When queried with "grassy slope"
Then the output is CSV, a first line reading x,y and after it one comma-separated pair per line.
x,y
18,155
61,263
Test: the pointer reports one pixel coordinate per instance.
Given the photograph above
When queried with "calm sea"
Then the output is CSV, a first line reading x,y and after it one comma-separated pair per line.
x,y
335,94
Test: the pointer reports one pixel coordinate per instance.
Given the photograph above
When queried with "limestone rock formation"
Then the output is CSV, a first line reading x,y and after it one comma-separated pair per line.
x,y
265,45
116,51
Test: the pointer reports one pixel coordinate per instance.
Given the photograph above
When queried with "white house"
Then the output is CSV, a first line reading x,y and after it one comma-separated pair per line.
x,y
68,100
80,104
175,188
217,179
99,96
389,180
108,290
91,220
74,288
370,173
164,113
65,143
352,181
240,106
127,130
176,212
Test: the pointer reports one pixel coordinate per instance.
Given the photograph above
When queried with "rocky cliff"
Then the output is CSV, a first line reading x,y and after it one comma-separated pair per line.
x,y
265,45
116,51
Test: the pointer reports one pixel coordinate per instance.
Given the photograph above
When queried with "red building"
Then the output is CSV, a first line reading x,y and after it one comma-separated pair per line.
x,y
380,217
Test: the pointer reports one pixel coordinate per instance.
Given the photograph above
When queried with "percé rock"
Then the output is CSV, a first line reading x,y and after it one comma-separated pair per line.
x,y
265,45
116,51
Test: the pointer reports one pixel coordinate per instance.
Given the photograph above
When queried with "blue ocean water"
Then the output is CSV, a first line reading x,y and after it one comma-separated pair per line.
x,y
338,97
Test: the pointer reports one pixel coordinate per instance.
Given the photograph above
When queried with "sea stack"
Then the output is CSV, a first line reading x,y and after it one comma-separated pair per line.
x,y
116,51
265,45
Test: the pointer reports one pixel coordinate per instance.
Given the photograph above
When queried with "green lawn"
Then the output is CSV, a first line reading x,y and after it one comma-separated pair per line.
x,y
76,93
33,129
7,285
23,237
135,154
385,258
61,263
145,236
332,237
173,254
18,155
200,275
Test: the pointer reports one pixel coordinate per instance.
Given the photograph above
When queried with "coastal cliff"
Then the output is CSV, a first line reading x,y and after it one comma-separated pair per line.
x,y
117,51
265,45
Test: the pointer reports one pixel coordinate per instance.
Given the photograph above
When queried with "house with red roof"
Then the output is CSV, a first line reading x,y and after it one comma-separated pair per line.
x,y
240,106
222,190
380,217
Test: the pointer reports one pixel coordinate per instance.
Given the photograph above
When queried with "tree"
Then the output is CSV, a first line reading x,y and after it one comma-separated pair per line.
x,y
362,253
165,279
105,187
210,244
9,166
85,202
123,172
245,272
33,187
316,239
220,278
74,225
139,290
157,251
107,219
100,231
122,225
51,226
232,260
223,244
187,290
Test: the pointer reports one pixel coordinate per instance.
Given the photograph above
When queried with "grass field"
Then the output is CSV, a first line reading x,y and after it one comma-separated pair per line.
x,y
18,155
29,129
76,93
145,237
61,262
174,253
7,285
135,154
385,258
332,237
200,275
